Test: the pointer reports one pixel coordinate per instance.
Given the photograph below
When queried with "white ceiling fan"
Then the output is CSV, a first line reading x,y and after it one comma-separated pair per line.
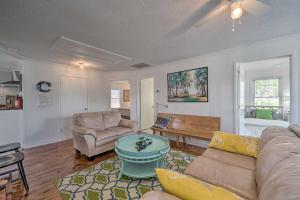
x,y
237,7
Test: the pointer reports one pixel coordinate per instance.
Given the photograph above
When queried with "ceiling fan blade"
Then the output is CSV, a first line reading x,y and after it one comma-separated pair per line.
x,y
255,7
199,14
212,14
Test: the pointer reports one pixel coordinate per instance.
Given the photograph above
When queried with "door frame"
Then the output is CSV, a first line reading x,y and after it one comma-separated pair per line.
x,y
236,97
140,99
293,89
60,96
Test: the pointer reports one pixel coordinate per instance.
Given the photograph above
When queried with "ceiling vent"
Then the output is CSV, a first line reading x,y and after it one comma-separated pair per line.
x,y
140,65
85,51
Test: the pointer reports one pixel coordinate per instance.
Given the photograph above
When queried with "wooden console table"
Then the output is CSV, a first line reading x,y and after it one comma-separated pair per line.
x,y
201,127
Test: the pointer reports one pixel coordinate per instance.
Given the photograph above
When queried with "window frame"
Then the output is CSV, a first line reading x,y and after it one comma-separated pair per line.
x,y
111,98
268,78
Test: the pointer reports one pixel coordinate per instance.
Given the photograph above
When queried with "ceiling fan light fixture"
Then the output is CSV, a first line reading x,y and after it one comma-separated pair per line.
x,y
81,65
236,10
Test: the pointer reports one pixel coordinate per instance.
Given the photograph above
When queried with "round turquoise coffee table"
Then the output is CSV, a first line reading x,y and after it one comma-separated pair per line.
x,y
141,164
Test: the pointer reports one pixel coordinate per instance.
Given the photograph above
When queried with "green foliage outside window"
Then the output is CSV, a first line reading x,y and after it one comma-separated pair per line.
x,y
267,92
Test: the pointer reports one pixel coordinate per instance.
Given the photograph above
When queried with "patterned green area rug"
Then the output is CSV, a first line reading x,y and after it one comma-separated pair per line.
x,y
100,182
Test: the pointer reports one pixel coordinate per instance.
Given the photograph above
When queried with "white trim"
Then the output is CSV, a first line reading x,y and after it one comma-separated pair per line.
x,y
294,89
236,97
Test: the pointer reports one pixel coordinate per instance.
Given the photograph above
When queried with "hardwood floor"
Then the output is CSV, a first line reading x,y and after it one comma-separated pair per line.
x,y
45,164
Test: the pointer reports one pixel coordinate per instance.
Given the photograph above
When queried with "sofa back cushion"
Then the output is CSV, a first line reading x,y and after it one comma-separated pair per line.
x,y
236,179
274,152
92,120
283,182
111,119
295,128
272,132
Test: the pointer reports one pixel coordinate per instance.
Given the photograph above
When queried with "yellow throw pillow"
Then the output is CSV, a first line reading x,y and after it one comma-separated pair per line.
x,y
245,145
188,188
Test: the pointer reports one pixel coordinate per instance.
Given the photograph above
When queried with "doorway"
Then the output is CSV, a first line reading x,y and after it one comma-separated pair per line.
x,y
147,104
263,93
73,99
120,97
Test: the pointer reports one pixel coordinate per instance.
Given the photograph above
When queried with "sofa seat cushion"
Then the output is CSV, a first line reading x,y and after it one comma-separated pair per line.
x,y
283,182
158,195
120,130
92,120
111,119
274,152
231,158
105,136
236,179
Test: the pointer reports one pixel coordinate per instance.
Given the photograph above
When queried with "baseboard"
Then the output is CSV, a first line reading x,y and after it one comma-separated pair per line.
x,y
40,143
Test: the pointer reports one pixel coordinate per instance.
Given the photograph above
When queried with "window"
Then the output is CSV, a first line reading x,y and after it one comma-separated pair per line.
x,y
115,98
267,92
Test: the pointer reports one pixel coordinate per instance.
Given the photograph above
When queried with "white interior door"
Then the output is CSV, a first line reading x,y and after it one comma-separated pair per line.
x,y
73,99
147,103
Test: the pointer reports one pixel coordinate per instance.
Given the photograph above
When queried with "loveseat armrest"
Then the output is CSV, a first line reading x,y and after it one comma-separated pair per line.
x,y
158,195
129,124
81,130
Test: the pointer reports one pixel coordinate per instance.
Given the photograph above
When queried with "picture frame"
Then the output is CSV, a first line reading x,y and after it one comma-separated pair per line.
x,y
126,95
188,85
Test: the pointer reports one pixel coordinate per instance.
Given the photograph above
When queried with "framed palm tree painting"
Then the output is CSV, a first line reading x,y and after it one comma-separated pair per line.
x,y
188,86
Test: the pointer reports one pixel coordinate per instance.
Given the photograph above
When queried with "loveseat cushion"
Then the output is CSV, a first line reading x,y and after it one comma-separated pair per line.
x,y
231,158
283,182
158,195
111,119
105,136
93,120
236,179
275,151
120,130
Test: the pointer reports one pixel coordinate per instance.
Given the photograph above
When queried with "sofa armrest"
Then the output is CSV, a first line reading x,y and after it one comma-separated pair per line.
x,y
81,130
129,124
158,195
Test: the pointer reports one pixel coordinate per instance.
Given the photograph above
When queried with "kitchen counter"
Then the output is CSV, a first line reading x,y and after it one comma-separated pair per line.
x,y
3,109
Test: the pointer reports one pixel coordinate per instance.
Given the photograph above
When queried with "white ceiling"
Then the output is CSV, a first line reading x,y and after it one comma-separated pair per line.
x,y
138,29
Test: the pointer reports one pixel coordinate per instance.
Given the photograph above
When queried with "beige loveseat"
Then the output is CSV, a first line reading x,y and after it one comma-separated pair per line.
x,y
274,175
96,132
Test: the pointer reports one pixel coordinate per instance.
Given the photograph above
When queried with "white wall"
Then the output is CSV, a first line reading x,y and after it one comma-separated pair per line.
x,y
11,122
42,124
221,78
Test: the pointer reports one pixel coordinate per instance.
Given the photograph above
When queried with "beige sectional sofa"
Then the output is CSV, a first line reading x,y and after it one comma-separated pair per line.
x,y
96,132
274,175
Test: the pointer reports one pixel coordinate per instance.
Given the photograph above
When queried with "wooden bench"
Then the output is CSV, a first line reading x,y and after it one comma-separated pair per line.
x,y
201,127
